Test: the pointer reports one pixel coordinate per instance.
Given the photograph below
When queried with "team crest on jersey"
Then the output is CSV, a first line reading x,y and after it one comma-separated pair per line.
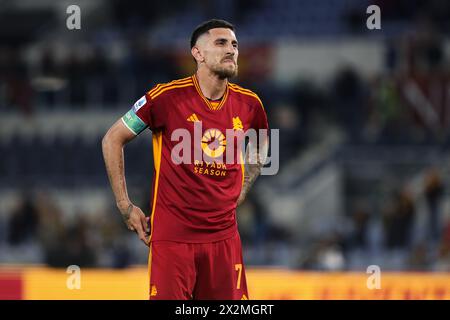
x,y
237,124
139,103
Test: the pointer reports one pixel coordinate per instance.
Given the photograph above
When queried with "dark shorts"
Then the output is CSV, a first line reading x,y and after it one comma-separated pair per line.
x,y
204,271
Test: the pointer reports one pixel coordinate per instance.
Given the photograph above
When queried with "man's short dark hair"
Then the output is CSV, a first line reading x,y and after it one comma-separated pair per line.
x,y
208,25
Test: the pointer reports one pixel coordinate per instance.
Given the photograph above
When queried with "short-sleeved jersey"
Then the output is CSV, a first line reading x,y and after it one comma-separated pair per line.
x,y
195,201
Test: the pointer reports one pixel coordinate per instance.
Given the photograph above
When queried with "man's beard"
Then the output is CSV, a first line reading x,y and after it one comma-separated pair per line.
x,y
225,73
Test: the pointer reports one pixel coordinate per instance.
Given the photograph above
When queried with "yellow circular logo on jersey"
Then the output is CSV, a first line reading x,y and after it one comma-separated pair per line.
x,y
213,143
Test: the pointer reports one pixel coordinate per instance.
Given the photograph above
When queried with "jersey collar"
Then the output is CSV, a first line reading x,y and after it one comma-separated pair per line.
x,y
207,102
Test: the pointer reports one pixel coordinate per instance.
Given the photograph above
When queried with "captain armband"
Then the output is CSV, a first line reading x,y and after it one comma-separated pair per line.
x,y
133,122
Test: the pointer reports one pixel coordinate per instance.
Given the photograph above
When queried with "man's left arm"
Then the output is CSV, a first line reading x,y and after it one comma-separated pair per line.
x,y
256,152
255,158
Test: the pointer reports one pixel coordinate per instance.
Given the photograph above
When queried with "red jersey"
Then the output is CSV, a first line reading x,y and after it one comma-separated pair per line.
x,y
195,202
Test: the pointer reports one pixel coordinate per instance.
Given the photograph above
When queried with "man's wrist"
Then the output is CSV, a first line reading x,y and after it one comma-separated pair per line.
x,y
124,206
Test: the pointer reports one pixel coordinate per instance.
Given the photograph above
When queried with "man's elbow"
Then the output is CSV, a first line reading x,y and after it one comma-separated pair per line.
x,y
113,138
116,136
108,140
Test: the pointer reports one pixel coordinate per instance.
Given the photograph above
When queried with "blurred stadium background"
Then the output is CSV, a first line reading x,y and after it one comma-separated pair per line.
x,y
364,121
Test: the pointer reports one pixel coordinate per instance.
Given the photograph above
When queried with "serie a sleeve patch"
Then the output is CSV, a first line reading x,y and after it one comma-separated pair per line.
x,y
139,104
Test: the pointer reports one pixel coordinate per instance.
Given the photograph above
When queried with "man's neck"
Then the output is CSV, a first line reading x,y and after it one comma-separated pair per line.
x,y
211,85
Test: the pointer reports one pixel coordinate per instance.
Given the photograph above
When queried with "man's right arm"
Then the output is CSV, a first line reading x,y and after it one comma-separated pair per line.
x,y
112,146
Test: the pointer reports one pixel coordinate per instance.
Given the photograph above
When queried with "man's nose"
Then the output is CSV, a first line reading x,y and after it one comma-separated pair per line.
x,y
230,50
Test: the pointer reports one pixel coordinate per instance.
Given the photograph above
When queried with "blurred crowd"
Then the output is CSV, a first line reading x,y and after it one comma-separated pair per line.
x,y
38,230
408,231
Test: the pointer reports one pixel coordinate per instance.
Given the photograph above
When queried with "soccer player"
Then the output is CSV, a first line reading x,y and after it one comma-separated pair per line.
x,y
195,249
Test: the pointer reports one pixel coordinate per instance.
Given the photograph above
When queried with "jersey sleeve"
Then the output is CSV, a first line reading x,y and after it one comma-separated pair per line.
x,y
145,113
259,116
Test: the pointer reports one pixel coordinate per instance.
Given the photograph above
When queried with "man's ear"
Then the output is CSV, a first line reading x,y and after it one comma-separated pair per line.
x,y
197,54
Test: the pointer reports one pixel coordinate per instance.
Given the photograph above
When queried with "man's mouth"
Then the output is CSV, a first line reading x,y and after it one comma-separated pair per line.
x,y
228,60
